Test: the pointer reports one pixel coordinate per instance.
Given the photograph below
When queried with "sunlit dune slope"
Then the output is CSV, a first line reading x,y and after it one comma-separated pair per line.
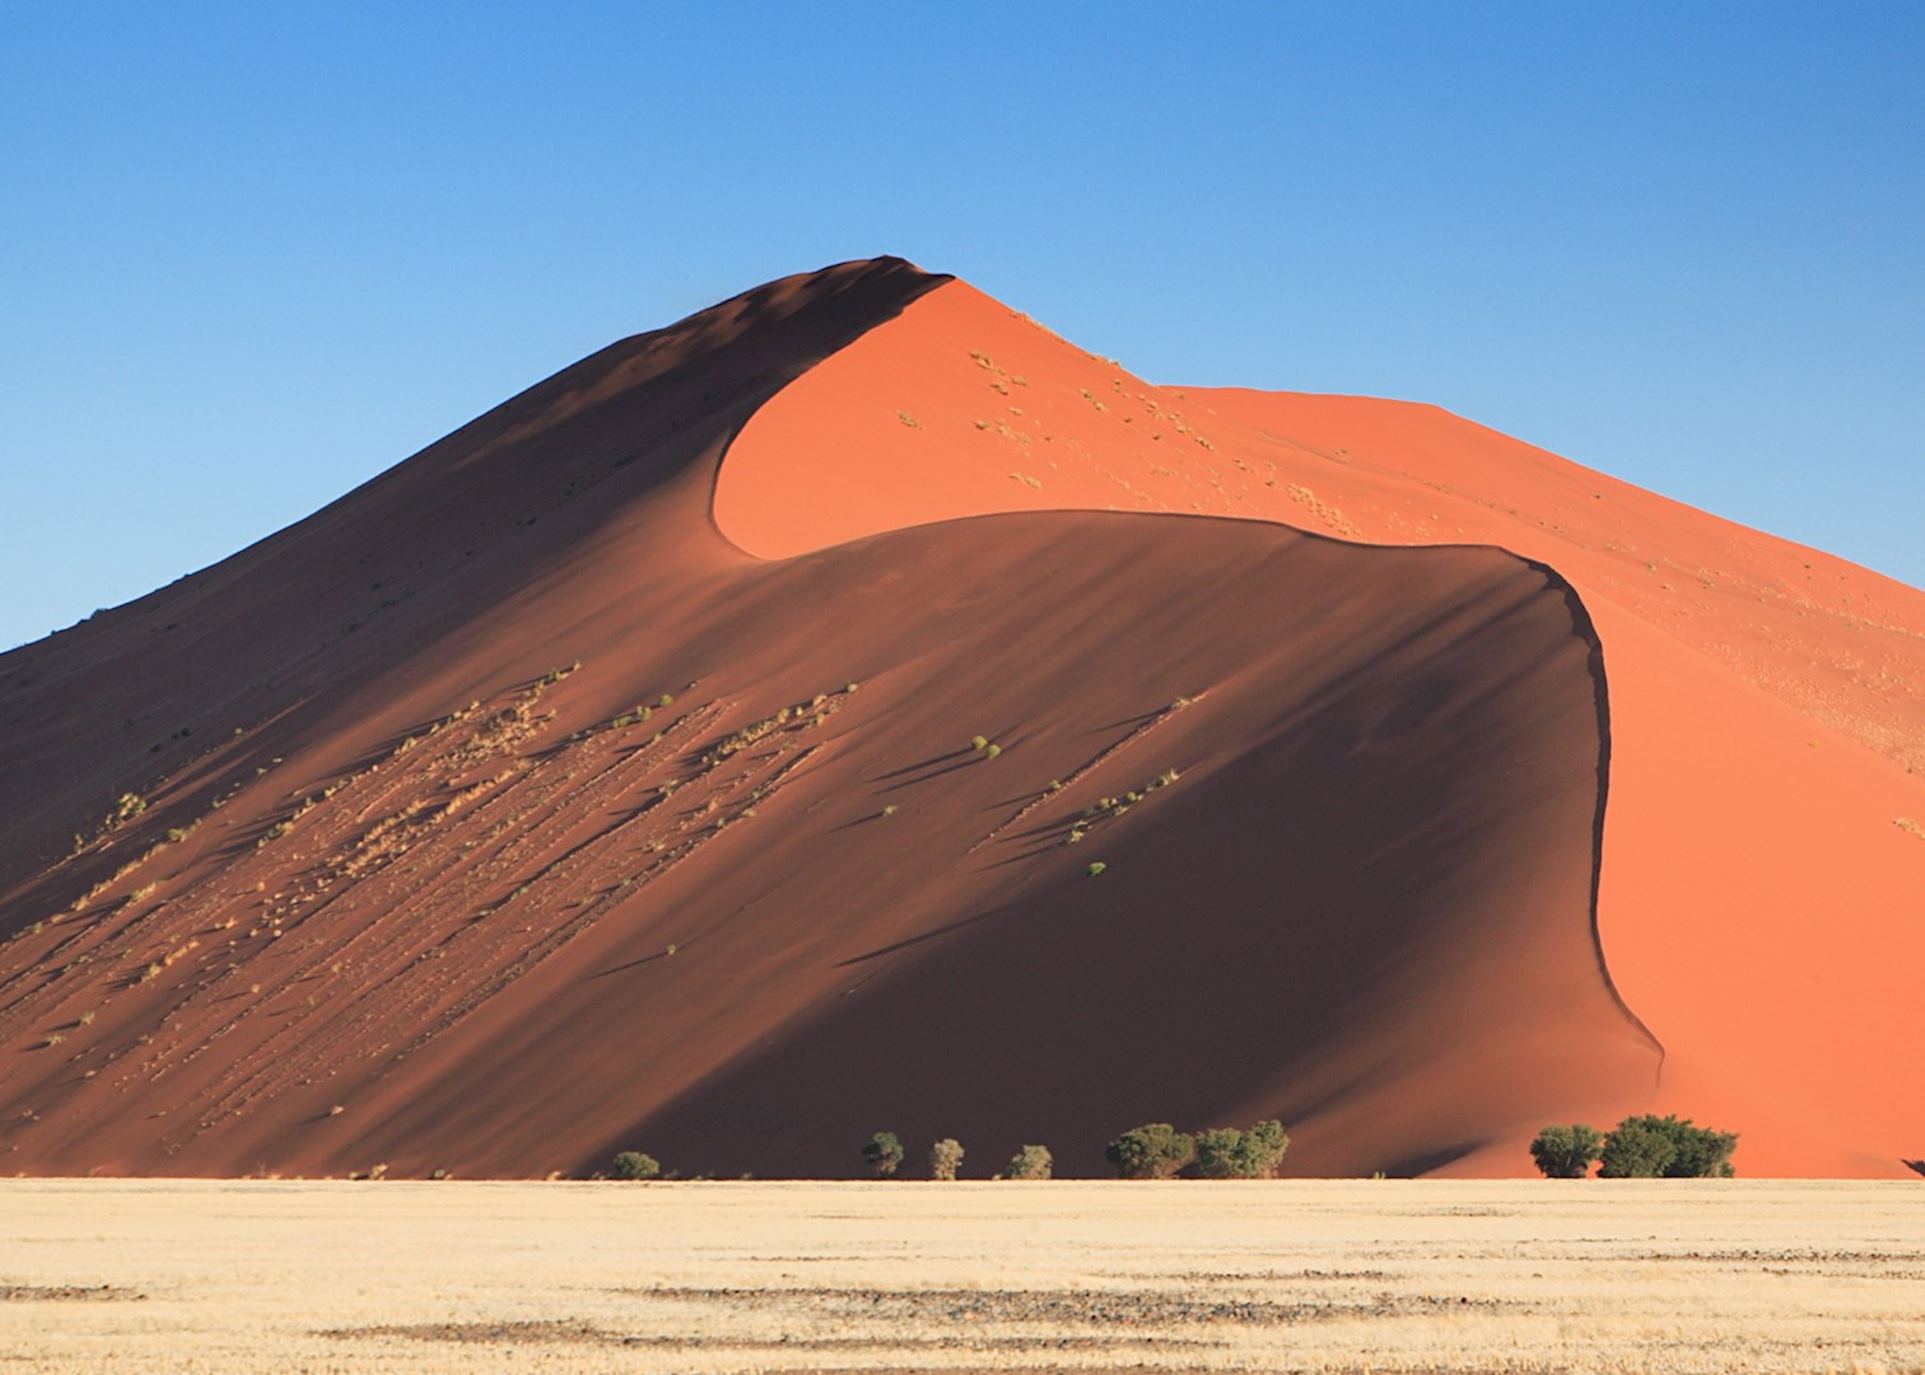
x,y
505,814
1762,857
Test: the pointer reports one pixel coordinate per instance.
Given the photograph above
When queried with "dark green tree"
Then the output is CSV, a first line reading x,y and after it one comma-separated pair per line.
x,y
1219,1153
882,1153
1155,1150
1230,1153
1263,1148
1702,1153
635,1165
1667,1147
1636,1150
1567,1152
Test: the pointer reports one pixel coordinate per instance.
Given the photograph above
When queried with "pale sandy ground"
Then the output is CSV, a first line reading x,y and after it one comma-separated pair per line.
x,y
1385,1276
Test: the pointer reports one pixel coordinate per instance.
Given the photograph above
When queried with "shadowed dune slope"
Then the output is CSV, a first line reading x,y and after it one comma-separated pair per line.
x,y
1763,849
504,814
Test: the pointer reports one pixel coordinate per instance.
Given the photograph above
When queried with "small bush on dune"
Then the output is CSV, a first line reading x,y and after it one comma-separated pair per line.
x,y
635,1165
1155,1150
1031,1162
945,1158
1566,1152
882,1153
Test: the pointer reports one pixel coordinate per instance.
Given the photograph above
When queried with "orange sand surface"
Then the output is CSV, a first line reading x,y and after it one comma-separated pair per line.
x,y
1760,899
504,814
663,760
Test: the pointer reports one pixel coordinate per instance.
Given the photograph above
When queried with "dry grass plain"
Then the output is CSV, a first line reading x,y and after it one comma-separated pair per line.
x,y
287,1276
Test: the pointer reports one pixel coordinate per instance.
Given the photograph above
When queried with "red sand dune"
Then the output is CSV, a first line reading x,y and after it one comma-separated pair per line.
x,y
413,881
1759,905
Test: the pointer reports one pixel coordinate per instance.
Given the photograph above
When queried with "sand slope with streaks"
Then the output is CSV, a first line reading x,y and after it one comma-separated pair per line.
x,y
508,812
1759,893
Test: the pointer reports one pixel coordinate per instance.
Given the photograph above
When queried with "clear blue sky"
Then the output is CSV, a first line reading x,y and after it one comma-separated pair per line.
x,y
251,254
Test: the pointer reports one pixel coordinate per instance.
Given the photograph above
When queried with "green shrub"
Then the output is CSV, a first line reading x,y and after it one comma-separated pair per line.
x,y
635,1165
1031,1162
882,1153
1667,1147
1702,1153
1095,868
1566,1152
979,742
1636,1151
945,1158
1155,1150
1227,1153
1263,1148
1217,1149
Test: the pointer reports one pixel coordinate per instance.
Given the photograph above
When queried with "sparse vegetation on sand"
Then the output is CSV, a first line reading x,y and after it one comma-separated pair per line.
x,y
1429,1275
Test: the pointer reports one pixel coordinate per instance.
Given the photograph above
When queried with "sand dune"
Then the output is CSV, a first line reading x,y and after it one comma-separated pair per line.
x,y
604,775
1759,904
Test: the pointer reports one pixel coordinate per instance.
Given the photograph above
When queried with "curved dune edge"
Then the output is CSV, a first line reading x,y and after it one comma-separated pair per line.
x,y
1767,712
415,884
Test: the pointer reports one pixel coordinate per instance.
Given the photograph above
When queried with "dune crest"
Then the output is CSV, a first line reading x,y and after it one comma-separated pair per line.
x,y
551,822
664,760
1757,905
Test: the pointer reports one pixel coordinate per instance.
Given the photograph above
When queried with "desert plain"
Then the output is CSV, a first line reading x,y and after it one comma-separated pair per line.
x,y
1358,1275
